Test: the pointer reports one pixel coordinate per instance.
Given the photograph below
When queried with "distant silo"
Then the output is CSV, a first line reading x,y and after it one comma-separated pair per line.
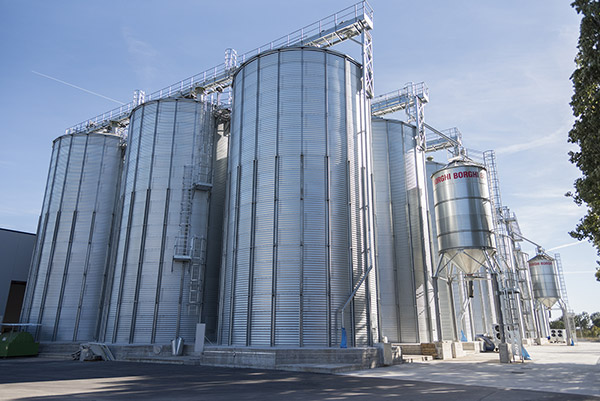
x,y
526,289
294,241
64,292
543,280
403,237
156,291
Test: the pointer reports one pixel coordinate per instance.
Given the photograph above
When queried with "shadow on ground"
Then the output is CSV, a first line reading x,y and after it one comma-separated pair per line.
x,y
37,379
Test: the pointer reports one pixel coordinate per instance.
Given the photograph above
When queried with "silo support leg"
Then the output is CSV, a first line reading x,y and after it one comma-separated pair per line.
x,y
436,299
565,313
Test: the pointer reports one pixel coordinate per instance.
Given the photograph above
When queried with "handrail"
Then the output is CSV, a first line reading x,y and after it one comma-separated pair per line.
x,y
219,77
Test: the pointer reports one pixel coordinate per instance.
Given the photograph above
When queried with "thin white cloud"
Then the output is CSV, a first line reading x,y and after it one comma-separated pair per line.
x,y
580,272
557,136
565,245
143,57
542,193
77,87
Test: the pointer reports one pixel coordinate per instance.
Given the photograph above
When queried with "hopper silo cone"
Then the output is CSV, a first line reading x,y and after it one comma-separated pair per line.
x,y
543,279
463,214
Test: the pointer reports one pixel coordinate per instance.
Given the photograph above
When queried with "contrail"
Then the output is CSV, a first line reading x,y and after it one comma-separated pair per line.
x,y
565,245
77,87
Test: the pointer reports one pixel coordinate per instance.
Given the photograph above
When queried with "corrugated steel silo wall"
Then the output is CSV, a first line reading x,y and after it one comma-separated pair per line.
x,y
484,313
467,322
403,239
170,149
542,320
68,266
526,288
294,241
446,314
210,291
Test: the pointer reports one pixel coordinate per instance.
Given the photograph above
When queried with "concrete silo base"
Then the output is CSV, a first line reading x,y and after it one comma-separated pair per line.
x,y
321,360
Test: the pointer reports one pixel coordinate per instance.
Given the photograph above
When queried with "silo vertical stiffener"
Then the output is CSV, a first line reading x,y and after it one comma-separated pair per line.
x,y
295,240
403,237
73,242
156,290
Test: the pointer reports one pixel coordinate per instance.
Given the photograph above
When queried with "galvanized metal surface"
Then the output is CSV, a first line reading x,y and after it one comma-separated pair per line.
x,y
169,157
69,261
463,214
446,312
294,242
543,280
404,258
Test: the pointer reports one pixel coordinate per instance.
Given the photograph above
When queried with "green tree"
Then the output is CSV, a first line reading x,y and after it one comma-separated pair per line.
x,y
595,318
586,130
583,320
557,324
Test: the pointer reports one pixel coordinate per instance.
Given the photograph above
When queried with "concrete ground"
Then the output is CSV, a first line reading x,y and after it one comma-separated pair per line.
x,y
556,373
555,368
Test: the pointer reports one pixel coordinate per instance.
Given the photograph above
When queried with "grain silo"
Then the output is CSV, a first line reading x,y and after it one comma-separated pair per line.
x,y
403,238
465,239
543,279
156,289
463,214
296,233
68,266
446,291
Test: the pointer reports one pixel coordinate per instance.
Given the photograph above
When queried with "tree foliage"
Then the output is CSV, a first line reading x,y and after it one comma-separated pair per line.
x,y
587,326
583,320
595,318
586,129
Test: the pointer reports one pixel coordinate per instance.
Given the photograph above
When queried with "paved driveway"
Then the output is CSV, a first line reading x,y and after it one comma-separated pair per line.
x,y
44,379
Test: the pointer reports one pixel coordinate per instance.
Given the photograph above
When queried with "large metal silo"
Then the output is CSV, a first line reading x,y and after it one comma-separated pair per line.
x,y
543,280
403,236
463,214
295,232
69,261
156,291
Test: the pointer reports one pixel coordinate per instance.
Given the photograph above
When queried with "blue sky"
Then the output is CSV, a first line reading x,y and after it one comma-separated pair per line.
x,y
499,71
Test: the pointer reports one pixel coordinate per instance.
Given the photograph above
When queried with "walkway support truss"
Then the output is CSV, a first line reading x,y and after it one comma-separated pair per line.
x,y
346,24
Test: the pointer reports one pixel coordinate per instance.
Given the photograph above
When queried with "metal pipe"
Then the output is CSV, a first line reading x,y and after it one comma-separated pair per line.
x,y
436,300
356,288
497,305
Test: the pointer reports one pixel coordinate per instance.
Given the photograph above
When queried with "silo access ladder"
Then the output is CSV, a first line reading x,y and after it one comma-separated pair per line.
x,y
191,250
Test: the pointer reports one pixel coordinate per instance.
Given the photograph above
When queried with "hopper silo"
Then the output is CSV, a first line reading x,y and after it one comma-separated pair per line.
x,y
68,265
156,288
543,279
403,236
294,242
446,314
463,213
